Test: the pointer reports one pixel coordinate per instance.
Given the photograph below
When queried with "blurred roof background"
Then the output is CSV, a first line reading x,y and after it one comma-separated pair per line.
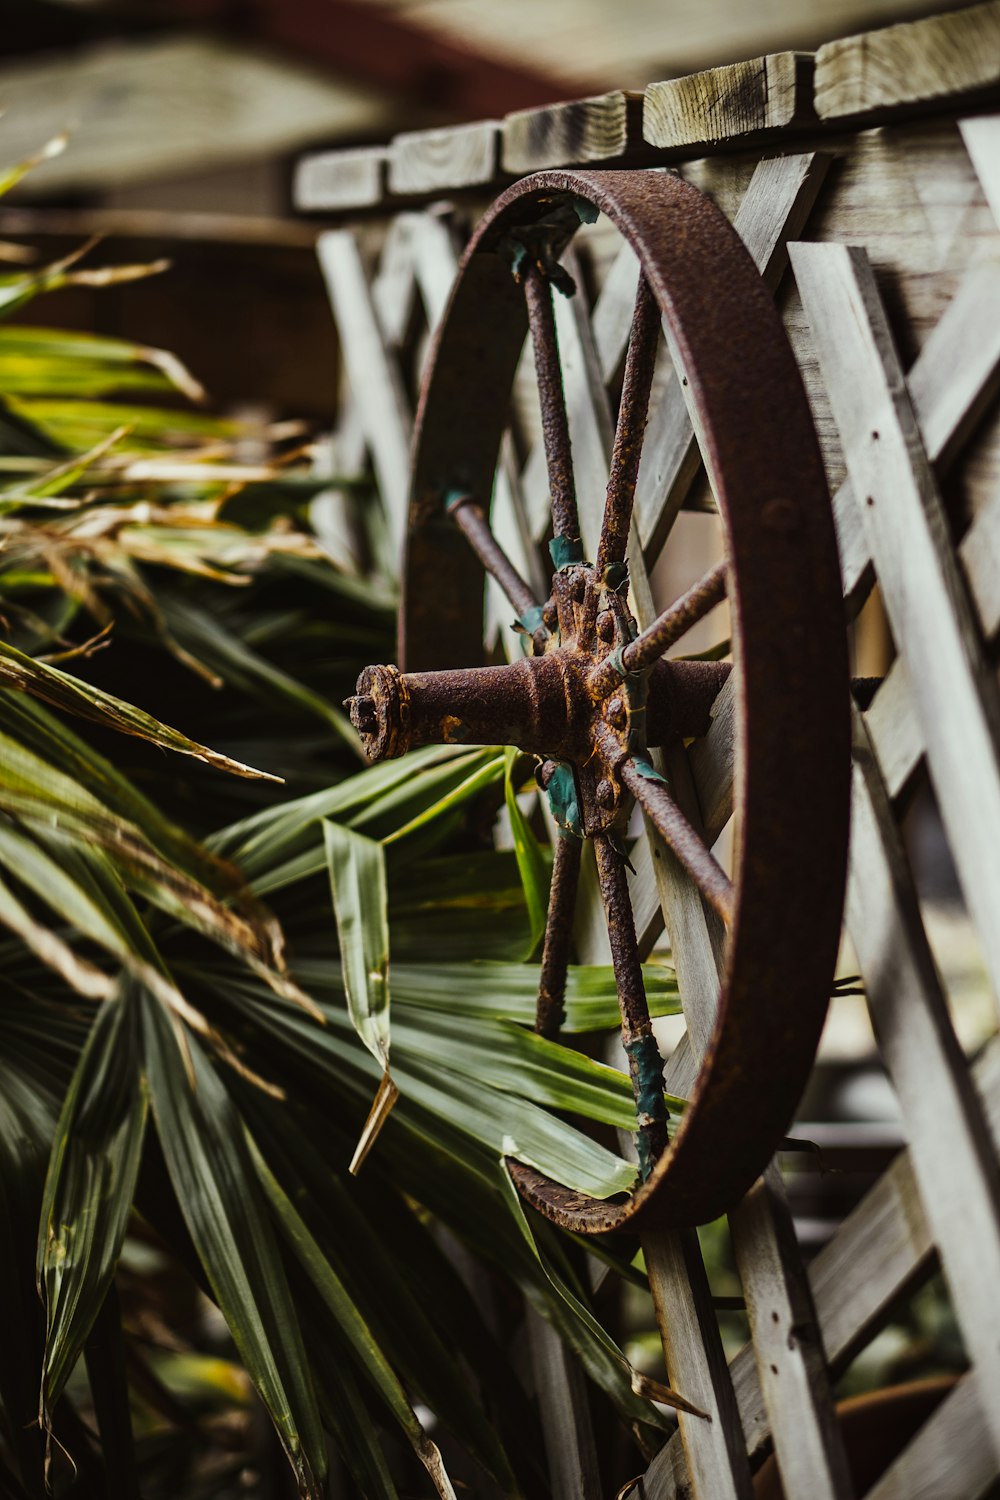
x,y
158,89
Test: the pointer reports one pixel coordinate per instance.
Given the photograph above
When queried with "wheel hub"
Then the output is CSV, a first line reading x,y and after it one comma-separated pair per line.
x,y
571,701
594,695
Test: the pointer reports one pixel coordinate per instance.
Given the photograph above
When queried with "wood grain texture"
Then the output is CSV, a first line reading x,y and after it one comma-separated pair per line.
x,y
714,1449
565,1414
894,728
380,400
787,1344
981,136
954,53
951,382
882,1248
909,195
426,161
932,622
950,1458
950,1149
722,104
339,180
773,210
607,127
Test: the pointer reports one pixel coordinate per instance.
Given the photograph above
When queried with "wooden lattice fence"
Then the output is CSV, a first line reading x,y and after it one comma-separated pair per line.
x,y
882,246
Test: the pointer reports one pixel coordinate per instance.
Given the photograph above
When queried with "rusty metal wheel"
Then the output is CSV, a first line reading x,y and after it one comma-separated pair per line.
x,y
595,694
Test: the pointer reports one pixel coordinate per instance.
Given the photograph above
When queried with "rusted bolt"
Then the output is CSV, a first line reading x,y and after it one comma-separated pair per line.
x,y
605,794
364,715
615,712
606,625
545,772
550,616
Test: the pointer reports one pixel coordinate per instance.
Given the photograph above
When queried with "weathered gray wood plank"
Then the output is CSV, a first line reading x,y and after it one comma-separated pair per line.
x,y
605,127
562,1400
458,156
696,1365
981,135
894,728
773,211
788,1345
712,759
955,693
394,286
950,1149
338,180
950,1458
740,99
951,382
933,58
375,381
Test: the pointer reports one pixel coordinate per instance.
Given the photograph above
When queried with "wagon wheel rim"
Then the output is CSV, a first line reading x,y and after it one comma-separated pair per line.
x,y
782,911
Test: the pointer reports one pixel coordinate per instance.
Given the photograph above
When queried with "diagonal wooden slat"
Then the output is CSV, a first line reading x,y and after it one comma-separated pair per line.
x,y
954,376
883,1248
950,1458
950,383
394,286
954,691
970,327
435,255
377,389
952,1155
773,210
981,137
565,1417
849,1299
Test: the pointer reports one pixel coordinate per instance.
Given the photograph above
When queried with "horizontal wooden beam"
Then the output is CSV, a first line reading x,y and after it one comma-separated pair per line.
x,y
424,161
744,99
935,58
334,180
760,101
607,127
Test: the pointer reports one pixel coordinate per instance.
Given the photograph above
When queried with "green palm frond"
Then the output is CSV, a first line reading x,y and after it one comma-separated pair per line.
x,y
207,975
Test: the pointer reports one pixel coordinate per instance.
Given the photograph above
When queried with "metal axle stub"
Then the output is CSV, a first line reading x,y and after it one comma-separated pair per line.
x,y
567,703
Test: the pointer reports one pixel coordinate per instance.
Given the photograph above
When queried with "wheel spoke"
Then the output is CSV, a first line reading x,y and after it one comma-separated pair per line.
x,y
651,643
555,424
470,519
688,845
551,1010
676,621
645,1062
639,363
